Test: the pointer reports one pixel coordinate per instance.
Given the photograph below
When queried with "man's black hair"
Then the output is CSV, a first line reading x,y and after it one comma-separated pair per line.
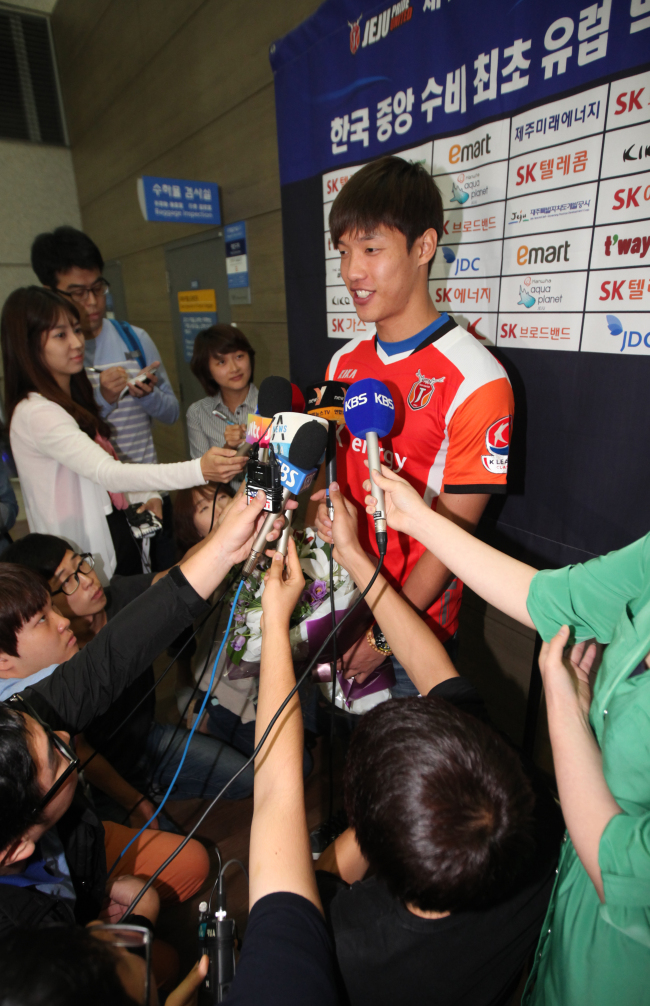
x,y
19,790
440,805
389,192
61,250
23,593
59,966
42,552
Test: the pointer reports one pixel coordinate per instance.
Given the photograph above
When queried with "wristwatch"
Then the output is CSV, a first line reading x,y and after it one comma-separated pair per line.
x,y
377,640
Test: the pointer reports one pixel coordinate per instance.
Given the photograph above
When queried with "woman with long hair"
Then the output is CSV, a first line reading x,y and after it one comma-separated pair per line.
x,y
223,362
72,483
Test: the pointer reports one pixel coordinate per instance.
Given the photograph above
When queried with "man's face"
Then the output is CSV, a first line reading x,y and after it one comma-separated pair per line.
x,y
380,273
76,283
89,597
43,640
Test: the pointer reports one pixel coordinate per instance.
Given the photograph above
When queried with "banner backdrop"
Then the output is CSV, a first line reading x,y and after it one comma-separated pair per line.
x,y
534,120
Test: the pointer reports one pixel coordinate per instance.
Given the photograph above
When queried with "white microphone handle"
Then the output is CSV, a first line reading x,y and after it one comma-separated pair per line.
x,y
374,464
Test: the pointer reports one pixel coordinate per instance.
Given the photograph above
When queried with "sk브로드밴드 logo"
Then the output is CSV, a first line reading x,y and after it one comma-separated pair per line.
x,y
423,388
355,34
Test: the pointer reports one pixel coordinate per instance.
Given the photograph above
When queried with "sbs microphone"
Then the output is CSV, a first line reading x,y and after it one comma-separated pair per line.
x,y
370,413
326,401
297,474
274,396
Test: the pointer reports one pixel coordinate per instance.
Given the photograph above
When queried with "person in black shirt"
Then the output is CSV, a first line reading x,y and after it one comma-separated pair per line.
x,y
461,841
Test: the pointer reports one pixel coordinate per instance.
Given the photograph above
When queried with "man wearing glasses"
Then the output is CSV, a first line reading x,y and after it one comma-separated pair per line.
x,y
67,261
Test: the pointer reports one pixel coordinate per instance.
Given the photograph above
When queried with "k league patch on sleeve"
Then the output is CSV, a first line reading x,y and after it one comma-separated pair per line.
x,y
497,441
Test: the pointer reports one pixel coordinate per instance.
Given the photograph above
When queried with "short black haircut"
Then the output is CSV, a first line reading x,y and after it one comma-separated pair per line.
x,y
61,250
391,192
440,805
59,966
19,790
42,552
23,593
218,340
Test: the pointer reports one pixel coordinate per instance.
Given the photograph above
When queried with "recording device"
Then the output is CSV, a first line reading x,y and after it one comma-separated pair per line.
x,y
298,469
370,413
217,935
274,396
326,401
265,475
144,524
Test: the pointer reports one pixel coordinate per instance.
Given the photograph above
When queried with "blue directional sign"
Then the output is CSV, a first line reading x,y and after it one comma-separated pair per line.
x,y
179,201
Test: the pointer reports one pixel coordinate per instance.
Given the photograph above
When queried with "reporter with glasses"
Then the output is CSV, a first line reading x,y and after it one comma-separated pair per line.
x,y
53,866
72,482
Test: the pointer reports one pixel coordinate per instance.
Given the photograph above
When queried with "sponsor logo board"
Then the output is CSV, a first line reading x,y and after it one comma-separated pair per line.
x,y
333,271
452,294
380,26
558,251
559,121
348,326
622,290
552,331
330,250
626,245
543,292
418,155
622,199
455,261
333,182
473,223
556,167
474,186
482,326
470,150
548,211
339,300
629,101
617,333
626,151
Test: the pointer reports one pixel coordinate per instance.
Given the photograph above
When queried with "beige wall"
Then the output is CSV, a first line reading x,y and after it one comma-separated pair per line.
x,y
38,193
178,88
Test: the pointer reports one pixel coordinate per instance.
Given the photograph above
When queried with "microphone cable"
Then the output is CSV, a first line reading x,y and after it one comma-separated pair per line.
x,y
258,747
333,663
187,745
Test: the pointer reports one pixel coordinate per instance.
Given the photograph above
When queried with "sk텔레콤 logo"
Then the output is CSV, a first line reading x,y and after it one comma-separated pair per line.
x,y
355,34
423,388
497,441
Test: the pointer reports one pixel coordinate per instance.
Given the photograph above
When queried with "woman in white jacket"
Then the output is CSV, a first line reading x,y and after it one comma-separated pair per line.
x,y
70,480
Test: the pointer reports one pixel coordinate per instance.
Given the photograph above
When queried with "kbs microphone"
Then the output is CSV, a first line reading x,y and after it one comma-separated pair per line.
x,y
326,402
297,474
274,396
370,413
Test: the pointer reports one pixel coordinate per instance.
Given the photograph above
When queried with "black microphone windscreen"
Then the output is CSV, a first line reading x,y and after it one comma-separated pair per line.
x,y
307,447
274,396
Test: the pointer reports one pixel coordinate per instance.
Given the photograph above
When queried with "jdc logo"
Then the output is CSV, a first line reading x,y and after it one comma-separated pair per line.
x,y
466,265
631,340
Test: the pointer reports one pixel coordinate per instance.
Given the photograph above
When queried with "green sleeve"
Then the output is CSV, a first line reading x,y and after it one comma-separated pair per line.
x,y
590,597
624,859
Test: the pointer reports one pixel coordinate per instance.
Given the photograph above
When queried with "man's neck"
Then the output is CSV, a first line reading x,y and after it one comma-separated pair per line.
x,y
422,914
232,399
418,314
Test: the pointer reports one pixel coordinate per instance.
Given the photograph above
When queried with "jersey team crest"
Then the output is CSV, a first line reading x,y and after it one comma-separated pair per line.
x,y
355,34
497,441
423,388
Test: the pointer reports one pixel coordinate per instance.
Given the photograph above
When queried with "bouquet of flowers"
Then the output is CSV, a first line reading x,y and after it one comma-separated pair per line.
x,y
312,617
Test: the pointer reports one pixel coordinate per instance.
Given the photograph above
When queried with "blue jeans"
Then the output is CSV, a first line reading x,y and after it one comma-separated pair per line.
x,y
404,687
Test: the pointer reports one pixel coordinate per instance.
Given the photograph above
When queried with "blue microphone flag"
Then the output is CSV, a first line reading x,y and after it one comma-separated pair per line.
x,y
369,408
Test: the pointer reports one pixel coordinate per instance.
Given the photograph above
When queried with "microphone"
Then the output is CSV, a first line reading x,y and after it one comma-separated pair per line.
x,y
370,413
298,470
326,401
274,396
297,399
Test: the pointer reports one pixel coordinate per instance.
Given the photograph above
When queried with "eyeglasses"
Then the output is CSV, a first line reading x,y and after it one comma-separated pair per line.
x,y
64,749
99,288
71,582
133,938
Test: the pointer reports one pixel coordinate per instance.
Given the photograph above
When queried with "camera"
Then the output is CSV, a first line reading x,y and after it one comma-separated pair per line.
x,y
144,524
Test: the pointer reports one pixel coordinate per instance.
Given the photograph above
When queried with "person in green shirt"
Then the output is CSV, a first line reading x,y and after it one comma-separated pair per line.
x,y
595,942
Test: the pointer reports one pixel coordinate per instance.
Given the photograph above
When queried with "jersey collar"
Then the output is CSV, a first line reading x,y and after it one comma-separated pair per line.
x,y
427,341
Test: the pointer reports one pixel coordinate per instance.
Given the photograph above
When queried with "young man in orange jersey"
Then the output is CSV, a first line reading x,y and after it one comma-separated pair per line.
x,y
453,400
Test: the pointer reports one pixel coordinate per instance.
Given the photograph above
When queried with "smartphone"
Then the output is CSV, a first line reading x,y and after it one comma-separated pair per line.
x,y
139,379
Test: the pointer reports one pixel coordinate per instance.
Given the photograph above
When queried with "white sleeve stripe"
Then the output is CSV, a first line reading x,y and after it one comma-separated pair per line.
x,y
436,472
475,363
348,347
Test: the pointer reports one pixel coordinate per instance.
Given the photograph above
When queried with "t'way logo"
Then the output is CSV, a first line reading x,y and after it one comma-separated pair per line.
x,y
423,388
355,34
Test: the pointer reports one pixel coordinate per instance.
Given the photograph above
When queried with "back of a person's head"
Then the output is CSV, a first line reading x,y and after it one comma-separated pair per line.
x,y
19,792
389,192
23,593
59,966
441,807
61,250
42,552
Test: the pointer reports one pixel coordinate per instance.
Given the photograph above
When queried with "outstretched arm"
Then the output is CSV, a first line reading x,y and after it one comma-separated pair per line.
x,y
422,655
280,855
494,576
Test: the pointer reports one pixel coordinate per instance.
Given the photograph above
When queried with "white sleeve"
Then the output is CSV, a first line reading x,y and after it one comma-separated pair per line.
x,y
56,434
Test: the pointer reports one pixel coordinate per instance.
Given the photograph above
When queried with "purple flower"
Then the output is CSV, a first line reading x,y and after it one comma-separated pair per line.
x,y
318,590
240,618
238,642
305,597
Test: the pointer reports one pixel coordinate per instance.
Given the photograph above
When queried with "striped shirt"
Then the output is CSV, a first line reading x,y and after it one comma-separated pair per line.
x,y
206,430
130,418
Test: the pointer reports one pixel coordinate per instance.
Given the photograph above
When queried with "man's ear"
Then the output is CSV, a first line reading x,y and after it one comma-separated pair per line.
x,y
428,243
17,851
7,665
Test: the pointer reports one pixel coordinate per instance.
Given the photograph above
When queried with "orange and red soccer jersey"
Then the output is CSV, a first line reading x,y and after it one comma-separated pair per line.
x,y
453,415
